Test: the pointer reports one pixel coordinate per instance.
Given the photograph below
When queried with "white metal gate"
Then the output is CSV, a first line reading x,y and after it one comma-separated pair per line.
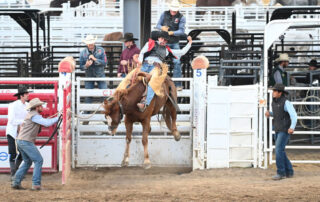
x,y
95,147
232,125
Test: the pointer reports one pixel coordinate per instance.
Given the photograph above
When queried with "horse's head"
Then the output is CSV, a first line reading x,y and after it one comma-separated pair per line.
x,y
113,113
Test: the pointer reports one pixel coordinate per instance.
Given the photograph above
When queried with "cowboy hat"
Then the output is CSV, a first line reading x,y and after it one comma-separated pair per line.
x,y
21,91
164,35
34,103
313,63
283,57
174,5
90,39
127,37
279,87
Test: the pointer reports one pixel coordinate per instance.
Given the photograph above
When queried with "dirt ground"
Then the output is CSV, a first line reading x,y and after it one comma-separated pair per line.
x,y
171,184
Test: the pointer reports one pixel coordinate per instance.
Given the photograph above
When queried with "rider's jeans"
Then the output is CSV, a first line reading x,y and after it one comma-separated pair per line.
x,y
150,93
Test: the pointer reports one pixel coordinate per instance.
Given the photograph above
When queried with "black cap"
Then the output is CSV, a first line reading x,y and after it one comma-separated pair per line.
x,y
21,91
279,87
164,35
313,63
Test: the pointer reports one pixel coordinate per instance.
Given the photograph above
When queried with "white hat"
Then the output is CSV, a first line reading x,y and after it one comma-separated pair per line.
x,y
283,57
174,5
34,103
90,39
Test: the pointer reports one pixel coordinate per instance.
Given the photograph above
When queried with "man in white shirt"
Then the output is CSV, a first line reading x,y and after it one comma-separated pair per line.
x,y
16,114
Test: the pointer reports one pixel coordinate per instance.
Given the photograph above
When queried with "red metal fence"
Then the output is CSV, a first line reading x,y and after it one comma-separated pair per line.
x,y
66,132
51,98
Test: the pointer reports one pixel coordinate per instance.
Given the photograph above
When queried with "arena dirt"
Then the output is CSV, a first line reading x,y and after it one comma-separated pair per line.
x,y
171,184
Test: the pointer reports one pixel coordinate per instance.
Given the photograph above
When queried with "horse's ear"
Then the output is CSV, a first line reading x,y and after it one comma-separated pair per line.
x,y
105,102
106,107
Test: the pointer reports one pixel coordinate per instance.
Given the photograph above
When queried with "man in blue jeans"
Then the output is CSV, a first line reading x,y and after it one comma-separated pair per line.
x,y
284,122
30,128
93,60
173,22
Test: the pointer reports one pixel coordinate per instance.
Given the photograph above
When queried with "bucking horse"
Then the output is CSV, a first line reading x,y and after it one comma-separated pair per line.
x,y
124,102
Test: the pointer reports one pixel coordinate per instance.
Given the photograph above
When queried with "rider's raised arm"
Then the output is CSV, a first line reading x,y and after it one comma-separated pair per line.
x,y
184,50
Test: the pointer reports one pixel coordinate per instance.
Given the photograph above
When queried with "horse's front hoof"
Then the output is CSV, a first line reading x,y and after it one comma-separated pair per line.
x,y
124,164
176,135
147,166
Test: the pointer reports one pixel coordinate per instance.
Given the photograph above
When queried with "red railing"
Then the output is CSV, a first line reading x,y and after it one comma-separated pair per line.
x,y
51,108
66,133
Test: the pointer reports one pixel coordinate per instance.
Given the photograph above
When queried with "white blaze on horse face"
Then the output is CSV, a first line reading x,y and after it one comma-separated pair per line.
x,y
109,120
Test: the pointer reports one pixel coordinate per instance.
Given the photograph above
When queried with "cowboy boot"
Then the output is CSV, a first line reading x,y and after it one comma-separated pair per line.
x,y
142,104
18,161
12,169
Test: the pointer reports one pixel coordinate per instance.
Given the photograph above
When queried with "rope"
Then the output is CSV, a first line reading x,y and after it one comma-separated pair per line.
x,y
305,111
86,117
55,114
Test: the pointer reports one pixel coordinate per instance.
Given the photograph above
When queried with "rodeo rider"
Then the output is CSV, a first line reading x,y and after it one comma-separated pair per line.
x,y
153,54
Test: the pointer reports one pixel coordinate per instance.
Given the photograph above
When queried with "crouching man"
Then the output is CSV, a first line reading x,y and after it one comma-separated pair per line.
x,y
31,127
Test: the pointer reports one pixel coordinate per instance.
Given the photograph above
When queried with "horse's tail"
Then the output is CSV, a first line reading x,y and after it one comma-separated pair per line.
x,y
166,114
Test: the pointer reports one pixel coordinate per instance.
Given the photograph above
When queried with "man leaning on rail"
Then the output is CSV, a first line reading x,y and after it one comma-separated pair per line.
x,y
284,121
93,60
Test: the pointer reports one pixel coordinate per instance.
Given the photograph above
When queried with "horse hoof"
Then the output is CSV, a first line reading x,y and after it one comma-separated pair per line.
x,y
147,166
177,135
124,164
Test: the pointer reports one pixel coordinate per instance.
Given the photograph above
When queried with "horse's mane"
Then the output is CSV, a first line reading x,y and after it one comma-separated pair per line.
x,y
122,93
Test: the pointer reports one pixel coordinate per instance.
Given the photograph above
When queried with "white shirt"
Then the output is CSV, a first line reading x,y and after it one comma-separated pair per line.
x,y
16,114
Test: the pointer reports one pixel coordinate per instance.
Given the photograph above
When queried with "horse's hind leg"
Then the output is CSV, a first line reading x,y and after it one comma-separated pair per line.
x,y
171,116
146,129
129,127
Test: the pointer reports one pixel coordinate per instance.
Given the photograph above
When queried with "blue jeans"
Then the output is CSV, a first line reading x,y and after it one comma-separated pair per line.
x,y
284,166
30,154
150,93
90,85
177,73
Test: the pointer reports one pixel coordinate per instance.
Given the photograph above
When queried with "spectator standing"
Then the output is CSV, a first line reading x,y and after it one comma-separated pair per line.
x,y
173,22
279,75
93,60
313,65
126,58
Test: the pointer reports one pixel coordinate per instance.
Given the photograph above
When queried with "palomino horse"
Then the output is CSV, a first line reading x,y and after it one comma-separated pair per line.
x,y
125,102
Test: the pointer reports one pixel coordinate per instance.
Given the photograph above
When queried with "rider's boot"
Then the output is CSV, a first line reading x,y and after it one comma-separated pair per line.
x,y
142,105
